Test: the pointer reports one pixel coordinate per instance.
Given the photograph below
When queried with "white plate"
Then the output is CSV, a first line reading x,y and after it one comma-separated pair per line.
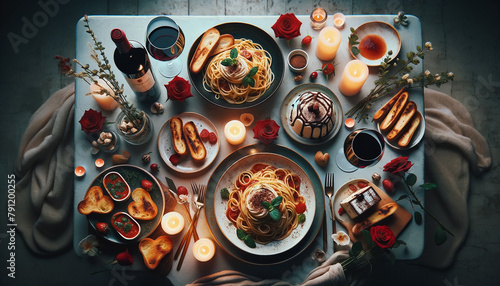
x,y
227,181
186,164
387,32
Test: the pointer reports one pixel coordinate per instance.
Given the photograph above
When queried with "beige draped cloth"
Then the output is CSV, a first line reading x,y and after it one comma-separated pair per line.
x,y
45,186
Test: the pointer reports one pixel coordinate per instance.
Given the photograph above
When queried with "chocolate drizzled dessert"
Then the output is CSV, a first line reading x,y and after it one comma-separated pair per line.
x,y
312,115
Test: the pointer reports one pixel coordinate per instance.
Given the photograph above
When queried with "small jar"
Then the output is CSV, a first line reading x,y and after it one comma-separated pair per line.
x,y
318,18
133,135
108,141
298,60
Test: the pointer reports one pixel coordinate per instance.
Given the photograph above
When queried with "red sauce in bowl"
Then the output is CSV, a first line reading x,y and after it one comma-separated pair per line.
x,y
116,186
125,225
372,47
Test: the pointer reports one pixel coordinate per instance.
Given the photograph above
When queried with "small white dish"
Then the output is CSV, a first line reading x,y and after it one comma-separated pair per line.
x,y
296,59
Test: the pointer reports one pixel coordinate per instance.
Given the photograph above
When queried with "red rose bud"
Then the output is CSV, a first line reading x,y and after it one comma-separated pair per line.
x,y
178,89
383,236
92,121
124,258
266,130
287,26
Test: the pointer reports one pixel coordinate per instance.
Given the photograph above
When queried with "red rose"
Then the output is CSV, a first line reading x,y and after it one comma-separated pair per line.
x,y
400,164
383,236
266,130
92,121
178,89
287,26
124,258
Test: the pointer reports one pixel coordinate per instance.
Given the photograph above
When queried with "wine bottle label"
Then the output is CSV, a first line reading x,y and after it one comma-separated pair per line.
x,y
143,83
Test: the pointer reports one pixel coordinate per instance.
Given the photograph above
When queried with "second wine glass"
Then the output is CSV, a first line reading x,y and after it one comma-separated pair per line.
x,y
165,42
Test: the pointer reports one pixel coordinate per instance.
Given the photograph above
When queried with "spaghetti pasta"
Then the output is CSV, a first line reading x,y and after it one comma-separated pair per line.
x,y
264,182
226,81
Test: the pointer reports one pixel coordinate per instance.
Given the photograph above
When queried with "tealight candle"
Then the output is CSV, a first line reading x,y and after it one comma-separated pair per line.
x,y
353,77
235,132
318,18
172,223
80,171
328,43
99,162
104,101
203,249
349,123
338,20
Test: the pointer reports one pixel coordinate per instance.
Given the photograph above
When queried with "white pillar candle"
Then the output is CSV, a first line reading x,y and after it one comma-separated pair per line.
x,y
203,249
104,101
353,77
235,132
172,223
328,43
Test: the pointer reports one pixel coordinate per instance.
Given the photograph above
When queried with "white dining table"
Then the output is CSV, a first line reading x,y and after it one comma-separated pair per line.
x,y
293,270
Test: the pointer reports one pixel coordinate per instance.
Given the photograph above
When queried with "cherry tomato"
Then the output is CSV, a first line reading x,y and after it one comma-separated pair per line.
x,y
300,207
313,75
212,138
174,158
154,167
147,185
353,187
181,190
204,134
341,211
102,227
328,69
246,54
388,186
306,40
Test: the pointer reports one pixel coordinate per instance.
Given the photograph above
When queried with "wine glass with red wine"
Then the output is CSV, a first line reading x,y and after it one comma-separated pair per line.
x,y
362,148
165,42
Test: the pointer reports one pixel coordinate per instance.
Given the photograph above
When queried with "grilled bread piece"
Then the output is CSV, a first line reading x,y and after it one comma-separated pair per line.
x,y
394,113
403,121
95,202
405,138
154,250
384,212
193,141
143,207
207,44
382,112
178,141
225,43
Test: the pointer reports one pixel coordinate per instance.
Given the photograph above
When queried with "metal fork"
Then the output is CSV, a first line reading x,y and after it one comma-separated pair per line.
x,y
329,189
200,203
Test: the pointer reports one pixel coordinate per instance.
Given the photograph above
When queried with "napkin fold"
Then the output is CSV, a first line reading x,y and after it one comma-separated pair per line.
x,y
44,173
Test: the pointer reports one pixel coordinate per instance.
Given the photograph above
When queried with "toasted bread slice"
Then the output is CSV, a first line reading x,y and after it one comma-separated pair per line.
x,y
403,121
143,207
207,44
384,212
382,112
154,250
178,141
225,43
405,139
95,202
194,143
394,113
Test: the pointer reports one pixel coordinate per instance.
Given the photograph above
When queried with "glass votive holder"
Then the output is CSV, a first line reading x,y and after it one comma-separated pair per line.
x,y
318,18
338,20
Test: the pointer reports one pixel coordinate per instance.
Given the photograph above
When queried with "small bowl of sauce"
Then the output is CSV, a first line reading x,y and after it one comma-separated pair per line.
x,y
298,60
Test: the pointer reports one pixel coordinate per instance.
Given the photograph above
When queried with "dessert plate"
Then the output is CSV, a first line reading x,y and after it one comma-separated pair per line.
x,y
286,107
186,164
388,34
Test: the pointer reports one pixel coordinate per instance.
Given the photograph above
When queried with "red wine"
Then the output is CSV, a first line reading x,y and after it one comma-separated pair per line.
x,y
366,146
165,43
132,59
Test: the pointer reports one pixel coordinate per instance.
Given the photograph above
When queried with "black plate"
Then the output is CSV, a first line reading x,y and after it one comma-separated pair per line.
x,y
133,175
238,31
210,206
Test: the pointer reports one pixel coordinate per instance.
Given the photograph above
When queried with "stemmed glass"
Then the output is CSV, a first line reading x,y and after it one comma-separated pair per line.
x,y
165,42
362,148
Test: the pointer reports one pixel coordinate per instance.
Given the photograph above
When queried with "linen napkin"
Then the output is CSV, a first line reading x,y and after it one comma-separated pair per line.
x,y
453,147
44,214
